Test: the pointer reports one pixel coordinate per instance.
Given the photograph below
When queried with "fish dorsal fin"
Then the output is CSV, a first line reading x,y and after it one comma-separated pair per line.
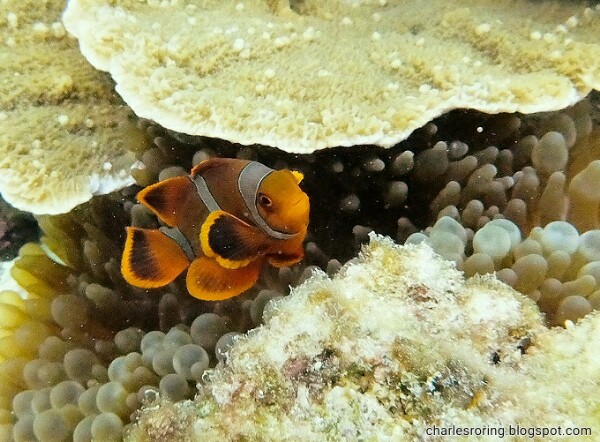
x,y
172,200
230,241
249,182
208,280
212,163
298,176
151,259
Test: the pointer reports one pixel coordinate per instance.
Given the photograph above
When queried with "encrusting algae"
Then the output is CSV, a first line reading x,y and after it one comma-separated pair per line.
x,y
396,343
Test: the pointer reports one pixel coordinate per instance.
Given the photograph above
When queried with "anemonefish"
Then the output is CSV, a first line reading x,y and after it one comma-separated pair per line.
x,y
224,221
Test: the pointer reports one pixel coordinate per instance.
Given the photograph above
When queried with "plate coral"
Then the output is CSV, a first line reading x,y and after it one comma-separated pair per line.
x,y
65,135
306,75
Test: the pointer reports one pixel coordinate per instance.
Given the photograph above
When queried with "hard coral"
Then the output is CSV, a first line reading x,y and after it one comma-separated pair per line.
x,y
65,135
306,75
397,342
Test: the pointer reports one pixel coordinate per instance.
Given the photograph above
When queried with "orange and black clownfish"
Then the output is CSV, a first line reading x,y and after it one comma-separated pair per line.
x,y
224,221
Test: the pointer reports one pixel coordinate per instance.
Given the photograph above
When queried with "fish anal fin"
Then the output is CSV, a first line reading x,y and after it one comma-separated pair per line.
x,y
208,280
168,199
151,259
230,241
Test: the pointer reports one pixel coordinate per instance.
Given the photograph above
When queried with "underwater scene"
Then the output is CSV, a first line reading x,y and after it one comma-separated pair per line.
x,y
299,220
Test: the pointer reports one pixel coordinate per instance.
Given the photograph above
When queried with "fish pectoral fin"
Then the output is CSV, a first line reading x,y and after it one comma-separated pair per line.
x,y
166,199
230,241
285,259
208,280
151,259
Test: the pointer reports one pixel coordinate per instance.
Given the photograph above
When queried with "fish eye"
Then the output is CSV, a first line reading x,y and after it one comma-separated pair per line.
x,y
264,200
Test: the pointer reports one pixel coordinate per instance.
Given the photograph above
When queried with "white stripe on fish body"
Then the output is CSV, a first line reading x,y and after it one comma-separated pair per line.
x,y
177,235
205,194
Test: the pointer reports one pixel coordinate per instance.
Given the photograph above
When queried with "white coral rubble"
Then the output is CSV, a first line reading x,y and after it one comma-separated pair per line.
x,y
397,342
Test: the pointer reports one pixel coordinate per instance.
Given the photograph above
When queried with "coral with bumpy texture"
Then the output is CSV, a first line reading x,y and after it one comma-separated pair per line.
x,y
306,75
397,342
65,135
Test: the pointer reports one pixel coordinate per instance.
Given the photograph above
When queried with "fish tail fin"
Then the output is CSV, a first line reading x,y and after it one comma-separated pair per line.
x,y
166,198
151,259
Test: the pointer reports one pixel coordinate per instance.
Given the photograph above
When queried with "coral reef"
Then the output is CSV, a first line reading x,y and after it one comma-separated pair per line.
x,y
301,76
65,135
397,342
81,351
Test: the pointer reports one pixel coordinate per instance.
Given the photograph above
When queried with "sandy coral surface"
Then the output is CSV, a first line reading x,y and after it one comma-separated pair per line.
x,y
301,76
